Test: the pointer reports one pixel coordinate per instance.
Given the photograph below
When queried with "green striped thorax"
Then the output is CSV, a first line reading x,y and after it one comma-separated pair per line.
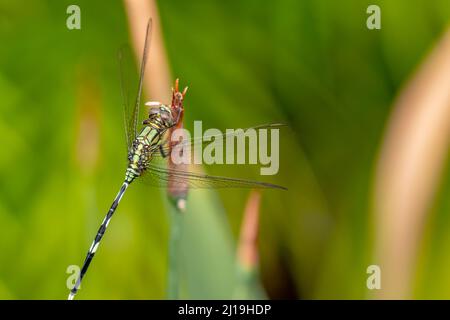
x,y
147,141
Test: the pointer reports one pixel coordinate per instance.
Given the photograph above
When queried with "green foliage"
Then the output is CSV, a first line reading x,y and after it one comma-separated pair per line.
x,y
311,64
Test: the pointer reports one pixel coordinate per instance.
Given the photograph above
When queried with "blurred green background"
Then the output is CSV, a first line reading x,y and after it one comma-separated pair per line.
x,y
311,64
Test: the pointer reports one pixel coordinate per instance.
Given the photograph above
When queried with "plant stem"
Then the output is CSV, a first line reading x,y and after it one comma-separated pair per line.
x,y
176,227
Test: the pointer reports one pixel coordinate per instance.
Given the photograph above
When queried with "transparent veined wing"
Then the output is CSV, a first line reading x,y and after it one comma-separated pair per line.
x,y
129,79
191,144
126,67
158,175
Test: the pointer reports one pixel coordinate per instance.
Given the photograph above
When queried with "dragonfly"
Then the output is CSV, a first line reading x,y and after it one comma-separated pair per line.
x,y
148,145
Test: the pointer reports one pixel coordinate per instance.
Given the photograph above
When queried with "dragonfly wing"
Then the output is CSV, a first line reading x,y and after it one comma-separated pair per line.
x,y
125,67
197,141
129,78
160,176
141,74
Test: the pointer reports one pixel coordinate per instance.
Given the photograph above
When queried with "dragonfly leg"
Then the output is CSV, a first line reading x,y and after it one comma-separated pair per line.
x,y
164,154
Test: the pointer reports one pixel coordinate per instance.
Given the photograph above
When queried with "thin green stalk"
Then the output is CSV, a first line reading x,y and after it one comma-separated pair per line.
x,y
176,226
177,193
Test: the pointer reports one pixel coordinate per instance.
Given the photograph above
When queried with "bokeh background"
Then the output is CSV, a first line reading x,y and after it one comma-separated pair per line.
x,y
311,64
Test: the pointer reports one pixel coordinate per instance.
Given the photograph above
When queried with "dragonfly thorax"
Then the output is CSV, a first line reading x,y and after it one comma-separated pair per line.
x,y
160,119
141,151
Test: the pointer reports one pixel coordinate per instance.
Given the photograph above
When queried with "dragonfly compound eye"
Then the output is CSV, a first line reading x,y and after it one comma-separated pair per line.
x,y
165,115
